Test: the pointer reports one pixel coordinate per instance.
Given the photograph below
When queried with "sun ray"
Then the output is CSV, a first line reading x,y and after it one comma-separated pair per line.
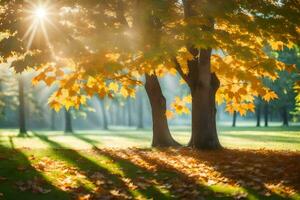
x,y
29,30
47,39
39,14
31,38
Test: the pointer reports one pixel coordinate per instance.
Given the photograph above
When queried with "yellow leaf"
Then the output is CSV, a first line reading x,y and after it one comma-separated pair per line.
x,y
124,92
169,114
113,57
182,81
68,103
55,105
270,95
188,99
276,45
113,87
91,82
38,78
49,80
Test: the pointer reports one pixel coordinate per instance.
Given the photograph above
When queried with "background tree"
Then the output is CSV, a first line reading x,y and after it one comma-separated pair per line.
x,y
68,122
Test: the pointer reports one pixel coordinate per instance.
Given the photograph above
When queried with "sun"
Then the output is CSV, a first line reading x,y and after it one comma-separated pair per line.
x,y
40,13
39,18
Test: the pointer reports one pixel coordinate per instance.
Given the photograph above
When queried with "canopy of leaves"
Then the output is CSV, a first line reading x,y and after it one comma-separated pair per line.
x,y
102,47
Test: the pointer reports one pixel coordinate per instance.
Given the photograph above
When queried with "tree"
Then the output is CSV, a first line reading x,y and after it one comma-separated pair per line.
x,y
161,133
68,122
266,114
140,110
104,117
22,121
286,86
52,123
234,119
216,46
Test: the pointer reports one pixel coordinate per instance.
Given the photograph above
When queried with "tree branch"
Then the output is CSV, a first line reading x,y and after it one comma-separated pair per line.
x,y
180,71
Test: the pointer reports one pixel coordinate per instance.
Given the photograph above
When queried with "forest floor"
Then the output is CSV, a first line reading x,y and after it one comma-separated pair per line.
x,y
257,163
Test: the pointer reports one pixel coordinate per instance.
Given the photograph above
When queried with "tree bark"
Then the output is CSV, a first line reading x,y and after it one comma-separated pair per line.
x,y
68,122
257,113
22,117
140,111
285,116
266,114
203,85
234,119
161,133
204,129
104,117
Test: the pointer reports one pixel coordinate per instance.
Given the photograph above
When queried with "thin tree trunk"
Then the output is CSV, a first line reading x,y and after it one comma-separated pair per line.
x,y
234,119
285,116
129,113
119,114
266,114
22,117
140,111
124,117
161,133
257,113
53,120
104,117
68,122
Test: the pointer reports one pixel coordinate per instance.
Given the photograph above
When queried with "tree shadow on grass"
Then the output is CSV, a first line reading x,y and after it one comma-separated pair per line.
x,y
113,182
182,187
144,180
179,185
249,169
20,180
252,169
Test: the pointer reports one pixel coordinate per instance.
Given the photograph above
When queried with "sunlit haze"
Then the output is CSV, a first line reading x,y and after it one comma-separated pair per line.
x,y
40,13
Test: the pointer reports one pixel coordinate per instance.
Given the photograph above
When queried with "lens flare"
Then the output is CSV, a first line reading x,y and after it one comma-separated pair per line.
x,y
40,13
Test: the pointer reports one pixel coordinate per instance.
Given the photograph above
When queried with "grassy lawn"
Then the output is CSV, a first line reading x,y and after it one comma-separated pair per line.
x,y
50,165
275,138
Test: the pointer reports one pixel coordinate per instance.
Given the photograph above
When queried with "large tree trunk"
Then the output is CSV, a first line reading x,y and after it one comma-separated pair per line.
x,y
257,113
285,116
104,117
204,131
68,122
266,114
203,85
161,133
22,119
234,119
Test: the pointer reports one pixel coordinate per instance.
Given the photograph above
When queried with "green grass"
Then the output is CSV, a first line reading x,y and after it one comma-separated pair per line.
x,y
75,156
276,138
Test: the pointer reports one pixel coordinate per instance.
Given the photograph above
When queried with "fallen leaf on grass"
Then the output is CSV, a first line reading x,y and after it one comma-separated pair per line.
x,y
232,167
84,197
21,168
34,185
3,178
